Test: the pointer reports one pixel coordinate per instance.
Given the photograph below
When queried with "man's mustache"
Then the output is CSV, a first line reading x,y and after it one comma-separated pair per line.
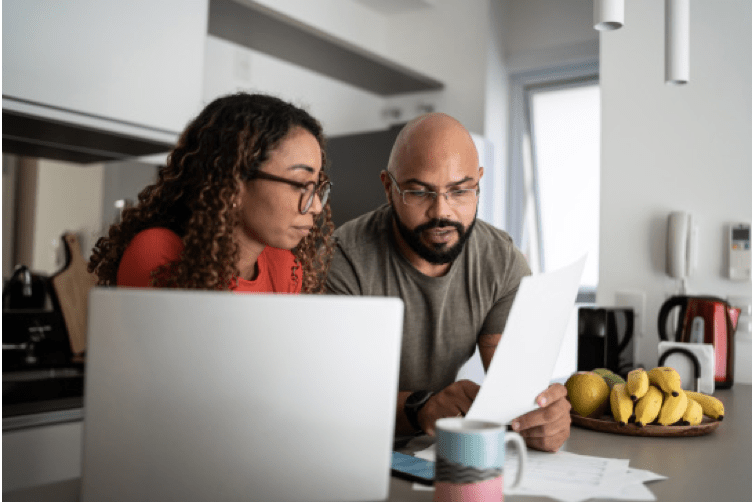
x,y
437,223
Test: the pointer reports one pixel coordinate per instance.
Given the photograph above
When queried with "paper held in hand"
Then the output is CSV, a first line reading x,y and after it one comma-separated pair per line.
x,y
523,364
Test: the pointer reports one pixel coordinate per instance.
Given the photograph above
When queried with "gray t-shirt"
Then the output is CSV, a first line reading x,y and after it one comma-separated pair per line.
x,y
443,315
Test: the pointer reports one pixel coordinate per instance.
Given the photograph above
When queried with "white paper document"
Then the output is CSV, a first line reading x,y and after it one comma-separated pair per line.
x,y
570,477
524,360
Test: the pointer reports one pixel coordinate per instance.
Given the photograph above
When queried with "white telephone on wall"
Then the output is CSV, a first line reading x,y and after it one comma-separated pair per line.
x,y
681,245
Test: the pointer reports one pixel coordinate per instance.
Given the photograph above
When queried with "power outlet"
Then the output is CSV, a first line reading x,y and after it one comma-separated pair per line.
x,y
636,301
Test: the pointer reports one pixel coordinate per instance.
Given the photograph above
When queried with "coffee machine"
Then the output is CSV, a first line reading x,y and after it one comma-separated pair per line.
x,y
34,332
605,339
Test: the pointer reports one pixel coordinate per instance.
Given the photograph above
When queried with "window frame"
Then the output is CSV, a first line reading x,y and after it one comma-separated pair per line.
x,y
523,86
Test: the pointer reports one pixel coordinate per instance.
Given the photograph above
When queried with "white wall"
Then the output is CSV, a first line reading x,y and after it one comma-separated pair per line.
x,y
543,33
340,107
123,181
69,199
449,42
673,148
497,112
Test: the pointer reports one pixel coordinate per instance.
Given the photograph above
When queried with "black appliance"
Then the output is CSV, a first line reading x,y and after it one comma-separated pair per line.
x,y
34,333
39,373
605,339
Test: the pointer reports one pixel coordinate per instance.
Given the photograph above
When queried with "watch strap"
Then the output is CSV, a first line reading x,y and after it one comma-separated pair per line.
x,y
413,404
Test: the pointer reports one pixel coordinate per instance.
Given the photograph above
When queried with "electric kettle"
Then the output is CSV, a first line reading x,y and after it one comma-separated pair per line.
x,y
704,319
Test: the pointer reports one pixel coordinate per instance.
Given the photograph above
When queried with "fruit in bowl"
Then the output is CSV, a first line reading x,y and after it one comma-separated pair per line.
x,y
588,393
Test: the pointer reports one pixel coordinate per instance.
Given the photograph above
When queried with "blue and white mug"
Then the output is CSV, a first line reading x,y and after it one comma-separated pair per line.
x,y
470,458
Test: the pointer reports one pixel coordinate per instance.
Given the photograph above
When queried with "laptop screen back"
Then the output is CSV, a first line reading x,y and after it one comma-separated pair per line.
x,y
219,396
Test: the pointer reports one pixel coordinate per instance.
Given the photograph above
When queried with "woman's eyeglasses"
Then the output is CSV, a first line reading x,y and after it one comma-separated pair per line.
x,y
322,189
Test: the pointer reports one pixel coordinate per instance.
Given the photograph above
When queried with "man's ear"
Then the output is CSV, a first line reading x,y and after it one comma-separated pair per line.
x,y
387,182
480,172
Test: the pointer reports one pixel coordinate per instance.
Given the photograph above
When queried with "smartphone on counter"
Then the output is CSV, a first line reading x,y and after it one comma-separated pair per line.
x,y
412,468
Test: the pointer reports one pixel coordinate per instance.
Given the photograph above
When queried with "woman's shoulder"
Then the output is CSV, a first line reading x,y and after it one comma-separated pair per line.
x,y
156,237
148,250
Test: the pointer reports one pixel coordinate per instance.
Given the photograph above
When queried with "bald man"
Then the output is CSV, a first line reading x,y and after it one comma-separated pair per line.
x,y
456,275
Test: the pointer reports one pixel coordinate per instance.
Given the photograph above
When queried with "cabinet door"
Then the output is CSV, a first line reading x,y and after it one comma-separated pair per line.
x,y
39,455
135,61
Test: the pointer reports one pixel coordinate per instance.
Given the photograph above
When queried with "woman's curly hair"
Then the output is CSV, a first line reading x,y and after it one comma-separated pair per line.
x,y
193,195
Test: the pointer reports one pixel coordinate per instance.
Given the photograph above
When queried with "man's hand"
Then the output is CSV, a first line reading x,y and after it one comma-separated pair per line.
x,y
452,401
546,428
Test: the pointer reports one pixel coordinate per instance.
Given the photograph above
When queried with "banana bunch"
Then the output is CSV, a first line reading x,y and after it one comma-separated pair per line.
x,y
659,399
645,397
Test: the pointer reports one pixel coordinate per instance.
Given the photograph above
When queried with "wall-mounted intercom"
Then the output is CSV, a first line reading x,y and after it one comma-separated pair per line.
x,y
739,252
681,245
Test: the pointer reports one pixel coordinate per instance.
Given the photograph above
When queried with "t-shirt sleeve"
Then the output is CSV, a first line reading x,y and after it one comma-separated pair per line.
x,y
516,269
342,278
149,250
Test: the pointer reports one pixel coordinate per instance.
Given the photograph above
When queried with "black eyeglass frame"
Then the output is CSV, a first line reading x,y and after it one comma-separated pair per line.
x,y
434,195
323,184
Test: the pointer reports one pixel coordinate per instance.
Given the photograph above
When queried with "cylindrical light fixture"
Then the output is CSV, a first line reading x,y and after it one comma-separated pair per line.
x,y
608,14
677,42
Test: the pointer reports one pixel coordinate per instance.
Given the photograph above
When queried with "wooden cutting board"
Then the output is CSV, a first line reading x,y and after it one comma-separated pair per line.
x,y
72,285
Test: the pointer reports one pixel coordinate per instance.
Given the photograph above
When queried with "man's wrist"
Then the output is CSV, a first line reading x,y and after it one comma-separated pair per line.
x,y
413,404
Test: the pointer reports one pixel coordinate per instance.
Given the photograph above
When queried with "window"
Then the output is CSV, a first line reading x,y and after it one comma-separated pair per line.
x,y
555,170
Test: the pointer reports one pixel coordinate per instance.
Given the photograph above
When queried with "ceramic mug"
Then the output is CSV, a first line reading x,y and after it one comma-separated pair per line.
x,y
470,460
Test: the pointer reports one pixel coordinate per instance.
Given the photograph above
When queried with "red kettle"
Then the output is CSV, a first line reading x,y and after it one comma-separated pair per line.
x,y
704,319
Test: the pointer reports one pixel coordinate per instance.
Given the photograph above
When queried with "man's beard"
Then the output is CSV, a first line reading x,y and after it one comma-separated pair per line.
x,y
438,254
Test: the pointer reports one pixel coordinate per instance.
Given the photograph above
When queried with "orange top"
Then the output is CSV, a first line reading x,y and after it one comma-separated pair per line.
x,y
154,247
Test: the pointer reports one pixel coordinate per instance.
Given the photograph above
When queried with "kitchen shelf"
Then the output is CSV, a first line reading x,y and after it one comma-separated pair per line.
x,y
39,130
283,39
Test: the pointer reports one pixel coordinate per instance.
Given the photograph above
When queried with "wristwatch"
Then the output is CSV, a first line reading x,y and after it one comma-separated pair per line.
x,y
413,404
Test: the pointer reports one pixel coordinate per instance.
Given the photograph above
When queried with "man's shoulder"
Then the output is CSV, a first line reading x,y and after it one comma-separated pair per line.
x,y
494,248
365,230
487,236
362,244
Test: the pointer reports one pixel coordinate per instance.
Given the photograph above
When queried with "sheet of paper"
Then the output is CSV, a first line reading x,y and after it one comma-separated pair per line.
x,y
524,360
569,477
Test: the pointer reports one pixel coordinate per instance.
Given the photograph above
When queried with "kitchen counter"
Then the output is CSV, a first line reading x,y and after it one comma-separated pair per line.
x,y
711,467
714,467
42,397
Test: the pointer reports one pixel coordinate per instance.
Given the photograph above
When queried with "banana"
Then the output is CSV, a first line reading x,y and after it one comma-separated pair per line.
x,y
609,376
693,414
667,379
673,408
648,406
637,383
621,404
711,406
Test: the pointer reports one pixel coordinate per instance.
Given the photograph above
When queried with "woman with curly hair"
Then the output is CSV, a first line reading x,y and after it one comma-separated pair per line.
x,y
240,205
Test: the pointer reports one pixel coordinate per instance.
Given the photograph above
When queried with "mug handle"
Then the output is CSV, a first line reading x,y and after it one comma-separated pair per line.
x,y
513,437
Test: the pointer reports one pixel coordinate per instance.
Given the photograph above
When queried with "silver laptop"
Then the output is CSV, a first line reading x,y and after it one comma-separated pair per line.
x,y
221,396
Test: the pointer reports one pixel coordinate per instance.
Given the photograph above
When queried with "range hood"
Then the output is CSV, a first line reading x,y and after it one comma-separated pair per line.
x,y
38,130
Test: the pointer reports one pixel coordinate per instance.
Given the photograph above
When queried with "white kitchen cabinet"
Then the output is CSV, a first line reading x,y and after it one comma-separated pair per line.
x,y
131,63
39,455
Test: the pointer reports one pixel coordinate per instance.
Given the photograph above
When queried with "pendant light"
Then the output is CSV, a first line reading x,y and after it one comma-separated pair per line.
x,y
677,42
608,15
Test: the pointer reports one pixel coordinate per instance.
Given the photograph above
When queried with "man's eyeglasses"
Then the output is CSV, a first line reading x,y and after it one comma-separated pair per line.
x,y
454,197
307,190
